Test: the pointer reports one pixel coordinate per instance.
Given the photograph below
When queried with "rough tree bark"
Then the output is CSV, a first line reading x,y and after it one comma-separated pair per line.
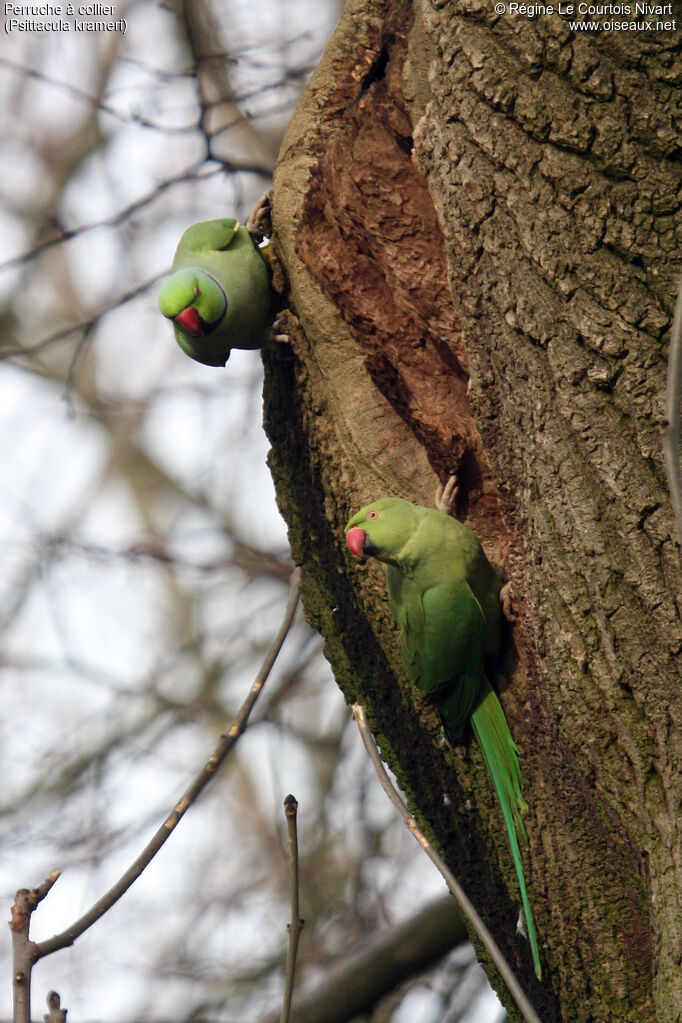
x,y
478,222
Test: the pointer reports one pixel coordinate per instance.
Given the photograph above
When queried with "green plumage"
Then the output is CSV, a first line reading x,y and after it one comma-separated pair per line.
x,y
219,295
445,597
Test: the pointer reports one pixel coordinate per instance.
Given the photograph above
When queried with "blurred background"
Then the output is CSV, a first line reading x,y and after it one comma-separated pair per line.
x,y
143,564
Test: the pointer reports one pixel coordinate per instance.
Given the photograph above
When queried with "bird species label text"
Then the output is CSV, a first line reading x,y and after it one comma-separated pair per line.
x,y
47,17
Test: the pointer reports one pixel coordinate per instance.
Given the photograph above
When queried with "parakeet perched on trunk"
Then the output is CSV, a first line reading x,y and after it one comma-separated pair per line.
x,y
219,295
445,597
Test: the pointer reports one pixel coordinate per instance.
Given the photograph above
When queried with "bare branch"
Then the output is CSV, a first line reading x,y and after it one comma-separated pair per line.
x,y
526,1009
70,934
296,925
360,980
24,951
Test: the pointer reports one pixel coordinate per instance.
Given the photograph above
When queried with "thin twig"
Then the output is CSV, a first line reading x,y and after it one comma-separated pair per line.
x,y
55,1013
460,896
70,934
296,925
23,949
671,425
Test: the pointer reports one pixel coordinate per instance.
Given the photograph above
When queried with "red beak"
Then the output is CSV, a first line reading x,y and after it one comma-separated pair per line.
x,y
191,321
355,538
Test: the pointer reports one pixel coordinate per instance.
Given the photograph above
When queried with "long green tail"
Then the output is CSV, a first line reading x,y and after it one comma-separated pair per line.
x,y
502,757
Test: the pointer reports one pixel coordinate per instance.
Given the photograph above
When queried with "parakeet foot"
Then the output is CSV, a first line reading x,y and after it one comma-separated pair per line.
x,y
444,742
446,496
507,603
276,332
259,224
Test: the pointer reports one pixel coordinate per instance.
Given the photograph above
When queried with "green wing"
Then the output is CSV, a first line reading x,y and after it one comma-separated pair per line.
x,y
211,235
442,633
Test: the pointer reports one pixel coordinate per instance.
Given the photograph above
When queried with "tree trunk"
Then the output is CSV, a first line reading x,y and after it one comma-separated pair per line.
x,y
477,220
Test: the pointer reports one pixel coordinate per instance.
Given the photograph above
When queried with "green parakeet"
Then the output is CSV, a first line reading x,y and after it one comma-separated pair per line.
x,y
445,597
219,295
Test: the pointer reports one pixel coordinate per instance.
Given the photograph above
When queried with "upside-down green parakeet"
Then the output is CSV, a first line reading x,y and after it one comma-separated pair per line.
x,y
219,294
445,597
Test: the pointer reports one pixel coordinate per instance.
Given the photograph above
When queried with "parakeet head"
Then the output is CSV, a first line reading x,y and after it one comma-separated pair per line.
x,y
196,304
381,529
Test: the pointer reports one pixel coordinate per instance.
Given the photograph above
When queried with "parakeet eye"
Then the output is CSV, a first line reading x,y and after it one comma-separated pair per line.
x,y
373,515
